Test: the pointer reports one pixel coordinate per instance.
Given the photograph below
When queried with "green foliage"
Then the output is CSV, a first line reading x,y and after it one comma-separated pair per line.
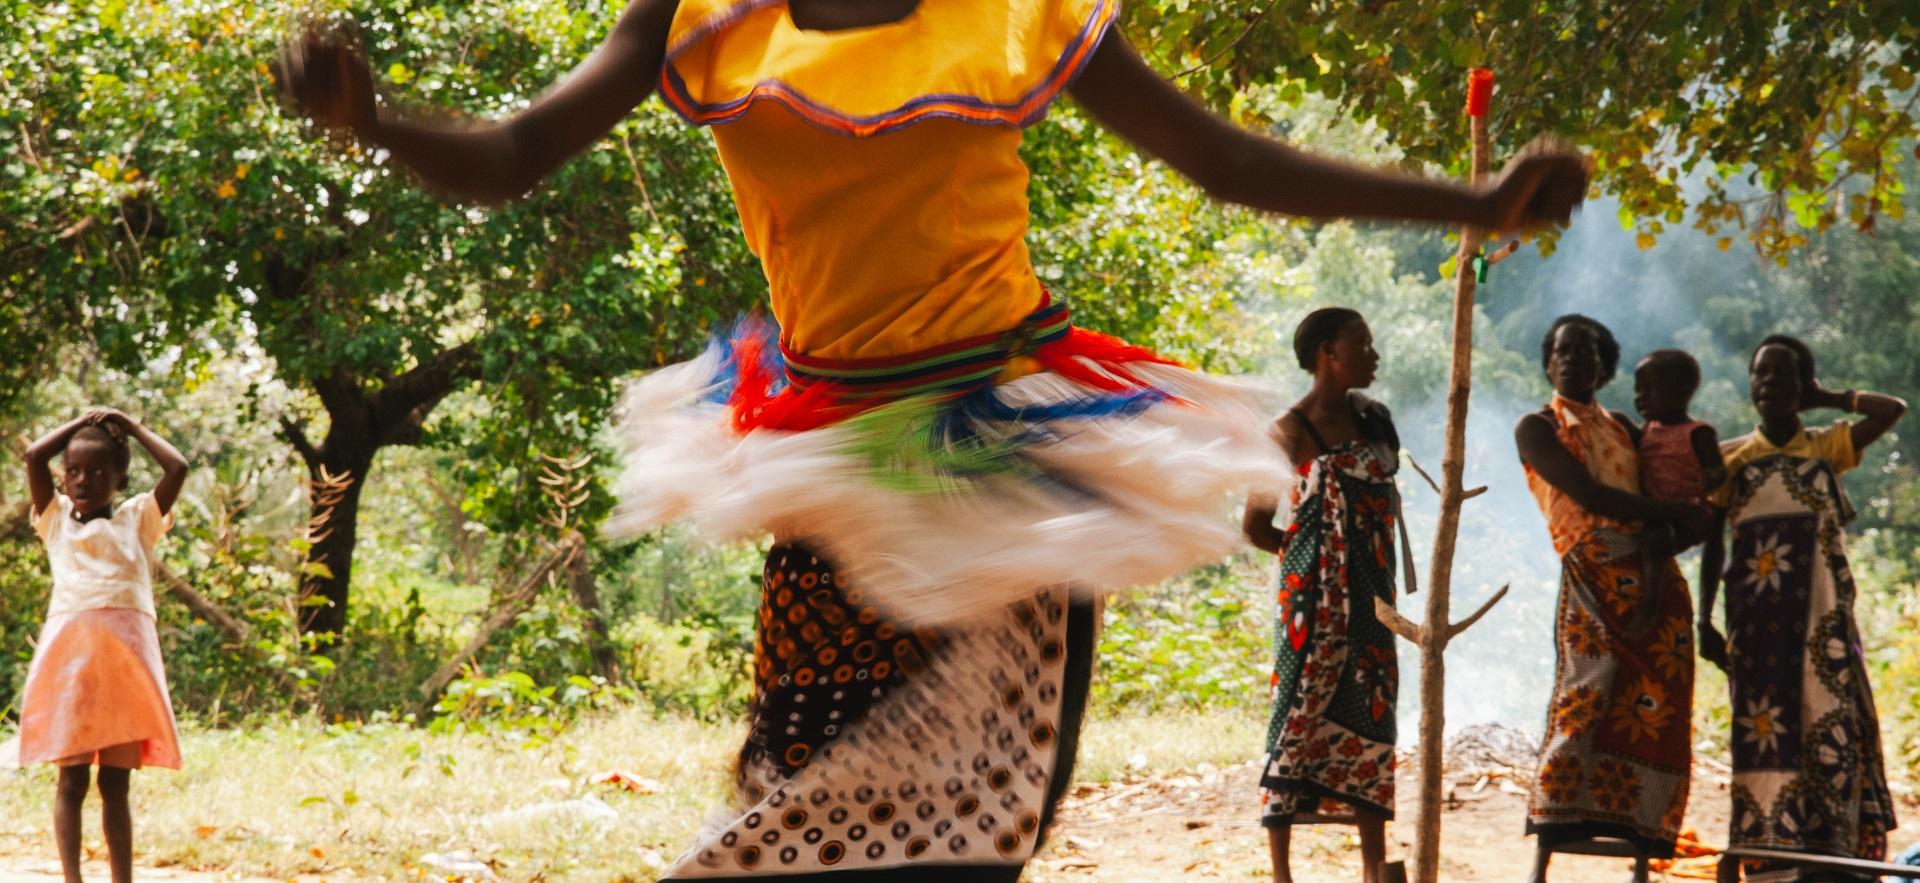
x,y
1198,644
1793,114
156,205
513,706
24,584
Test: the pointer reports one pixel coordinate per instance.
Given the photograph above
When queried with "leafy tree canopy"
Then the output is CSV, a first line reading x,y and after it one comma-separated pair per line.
x,y
1793,113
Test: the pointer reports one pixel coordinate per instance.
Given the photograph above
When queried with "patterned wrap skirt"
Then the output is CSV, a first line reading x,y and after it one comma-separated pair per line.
x,y
1617,757
946,524
1330,740
96,683
874,748
1808,774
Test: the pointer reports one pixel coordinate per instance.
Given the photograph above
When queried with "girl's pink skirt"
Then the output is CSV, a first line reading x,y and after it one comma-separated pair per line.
x,y
96,683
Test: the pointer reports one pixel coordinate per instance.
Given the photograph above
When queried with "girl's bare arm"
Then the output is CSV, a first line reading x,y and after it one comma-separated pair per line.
x,y
495,161
173,465
1540,448
1256,521
1234,165
40,456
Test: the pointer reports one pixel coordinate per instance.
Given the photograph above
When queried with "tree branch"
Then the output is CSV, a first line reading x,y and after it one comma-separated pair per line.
x,y
509,609
236,631
1396,623
401,406
298,438
1454,630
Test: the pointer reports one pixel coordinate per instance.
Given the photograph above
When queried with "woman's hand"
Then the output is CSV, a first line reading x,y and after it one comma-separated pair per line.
x,y
1540,186
1698,520
1713,645
325,74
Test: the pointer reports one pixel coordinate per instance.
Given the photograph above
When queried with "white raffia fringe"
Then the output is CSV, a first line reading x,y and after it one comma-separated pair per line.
x,y
1161,482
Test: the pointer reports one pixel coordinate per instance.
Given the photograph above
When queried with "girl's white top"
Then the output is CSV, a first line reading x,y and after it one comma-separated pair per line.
x,y
106,562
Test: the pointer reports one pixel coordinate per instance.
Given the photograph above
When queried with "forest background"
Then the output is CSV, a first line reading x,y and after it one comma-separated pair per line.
x,y
396,408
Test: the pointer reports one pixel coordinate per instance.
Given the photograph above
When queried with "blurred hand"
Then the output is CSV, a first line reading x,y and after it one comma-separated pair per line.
x,y
324,73
1713,645
1541,186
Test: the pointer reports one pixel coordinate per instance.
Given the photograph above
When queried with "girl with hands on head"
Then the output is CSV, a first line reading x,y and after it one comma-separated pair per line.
x,y
96,692
1808,774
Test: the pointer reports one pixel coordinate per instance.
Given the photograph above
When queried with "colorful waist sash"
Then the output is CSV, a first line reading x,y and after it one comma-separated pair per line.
x,y
948,368
776,388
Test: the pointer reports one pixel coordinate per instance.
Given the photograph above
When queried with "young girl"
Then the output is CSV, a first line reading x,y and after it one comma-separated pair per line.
x,y
96,694
1808,775
1335,677
937,451
1679,456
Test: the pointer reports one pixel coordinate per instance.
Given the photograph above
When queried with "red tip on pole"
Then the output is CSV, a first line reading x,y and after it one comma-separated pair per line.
x,y
1479,91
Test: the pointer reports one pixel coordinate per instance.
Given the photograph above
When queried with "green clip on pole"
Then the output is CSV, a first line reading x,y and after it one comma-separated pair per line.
x,y
1480,269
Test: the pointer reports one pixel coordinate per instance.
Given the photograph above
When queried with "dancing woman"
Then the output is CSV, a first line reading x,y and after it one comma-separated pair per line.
x,y
1808,775
936,449
1617,756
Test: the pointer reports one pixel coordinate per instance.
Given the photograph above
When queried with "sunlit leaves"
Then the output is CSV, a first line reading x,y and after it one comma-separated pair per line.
x,y
1778,101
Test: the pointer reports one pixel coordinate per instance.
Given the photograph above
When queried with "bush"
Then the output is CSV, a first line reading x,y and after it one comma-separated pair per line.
x,y
513,706
1199,643
24,584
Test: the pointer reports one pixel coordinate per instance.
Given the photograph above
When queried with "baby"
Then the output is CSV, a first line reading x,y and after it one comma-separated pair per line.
x,y
1679,456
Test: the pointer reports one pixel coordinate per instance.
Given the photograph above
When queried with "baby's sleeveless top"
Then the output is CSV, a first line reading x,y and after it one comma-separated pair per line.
x,y
877,169
1669,469
103,563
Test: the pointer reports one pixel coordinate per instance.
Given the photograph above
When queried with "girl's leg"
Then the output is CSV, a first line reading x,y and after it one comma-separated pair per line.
x,y
1280,842
1373,848
116,820
67,799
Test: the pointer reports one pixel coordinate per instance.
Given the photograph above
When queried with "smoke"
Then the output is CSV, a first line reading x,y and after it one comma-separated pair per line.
x,y
1501,671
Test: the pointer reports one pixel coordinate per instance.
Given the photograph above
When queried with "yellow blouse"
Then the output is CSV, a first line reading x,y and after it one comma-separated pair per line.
x,y
877,170
1831,444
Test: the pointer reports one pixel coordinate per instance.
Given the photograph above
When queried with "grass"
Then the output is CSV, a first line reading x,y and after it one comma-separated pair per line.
x,y
296,796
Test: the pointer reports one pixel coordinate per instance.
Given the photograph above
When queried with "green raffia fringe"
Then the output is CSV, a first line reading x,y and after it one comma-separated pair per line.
x,y
905,451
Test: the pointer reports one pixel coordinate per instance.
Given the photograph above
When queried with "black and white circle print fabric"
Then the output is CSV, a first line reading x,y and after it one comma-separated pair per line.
x,y
951,767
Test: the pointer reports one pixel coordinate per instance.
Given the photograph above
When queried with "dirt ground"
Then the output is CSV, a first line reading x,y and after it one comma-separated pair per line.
x,y
1202,827
1197,827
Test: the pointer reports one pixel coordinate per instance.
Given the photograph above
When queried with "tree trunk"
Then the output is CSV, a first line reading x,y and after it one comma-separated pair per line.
x,y
1433,636
585,594
360,423
335,482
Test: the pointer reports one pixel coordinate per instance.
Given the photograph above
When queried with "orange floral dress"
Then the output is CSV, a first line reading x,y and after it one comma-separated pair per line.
x,y
96,692
1617,754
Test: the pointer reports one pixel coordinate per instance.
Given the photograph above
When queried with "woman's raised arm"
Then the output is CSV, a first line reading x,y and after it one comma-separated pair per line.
x,y
326,75
1231,164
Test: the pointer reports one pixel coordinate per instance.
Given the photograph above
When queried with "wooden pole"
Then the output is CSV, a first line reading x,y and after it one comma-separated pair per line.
x,y
1432,637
